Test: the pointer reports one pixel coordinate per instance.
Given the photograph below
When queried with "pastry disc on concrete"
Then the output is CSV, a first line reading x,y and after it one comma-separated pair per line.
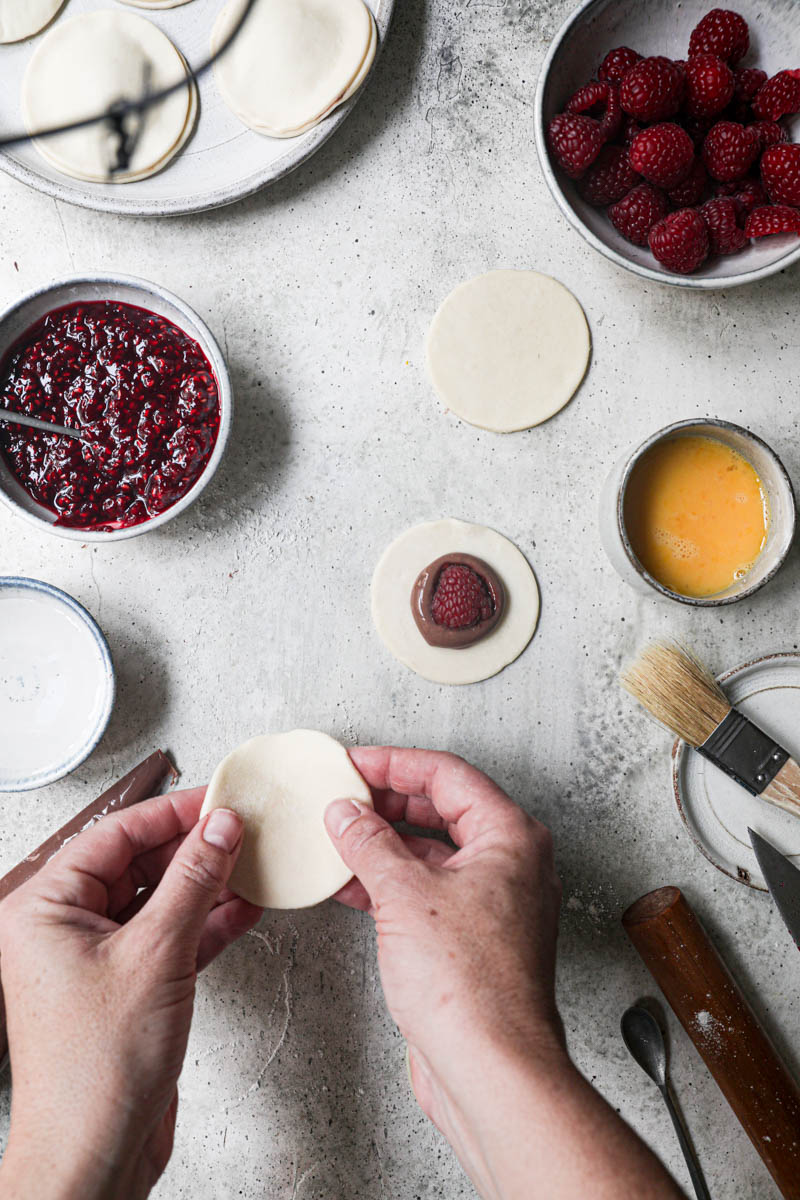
x,y
294,61
281,784
86,64
394,579
23,18
508,349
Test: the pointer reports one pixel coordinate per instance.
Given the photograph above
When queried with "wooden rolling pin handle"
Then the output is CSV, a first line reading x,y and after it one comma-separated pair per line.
x,y
726,1032
139,784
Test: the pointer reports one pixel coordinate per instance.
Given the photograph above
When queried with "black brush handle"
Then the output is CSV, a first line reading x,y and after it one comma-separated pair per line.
x,y
745,752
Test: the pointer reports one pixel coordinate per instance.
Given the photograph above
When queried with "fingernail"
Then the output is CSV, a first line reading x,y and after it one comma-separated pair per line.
x,y
340,815
223,829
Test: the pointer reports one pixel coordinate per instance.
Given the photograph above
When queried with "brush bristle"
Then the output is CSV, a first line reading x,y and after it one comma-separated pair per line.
x,y
678,690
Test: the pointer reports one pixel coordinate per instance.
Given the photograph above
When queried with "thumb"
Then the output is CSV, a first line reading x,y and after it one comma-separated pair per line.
x,y
368,845
176,912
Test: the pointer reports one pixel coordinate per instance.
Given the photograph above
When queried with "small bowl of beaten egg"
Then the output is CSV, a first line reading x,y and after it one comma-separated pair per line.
x,y
702,512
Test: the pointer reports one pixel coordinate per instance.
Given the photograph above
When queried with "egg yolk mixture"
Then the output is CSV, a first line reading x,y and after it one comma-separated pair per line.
x,y
696,514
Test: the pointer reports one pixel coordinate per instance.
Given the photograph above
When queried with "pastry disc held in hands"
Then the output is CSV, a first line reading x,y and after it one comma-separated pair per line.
x,y
280,784
394,579
508,349
86,64
294,61
23,18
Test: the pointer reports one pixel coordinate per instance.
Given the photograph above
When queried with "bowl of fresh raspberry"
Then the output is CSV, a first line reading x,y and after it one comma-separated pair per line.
x,y
139,397
668,135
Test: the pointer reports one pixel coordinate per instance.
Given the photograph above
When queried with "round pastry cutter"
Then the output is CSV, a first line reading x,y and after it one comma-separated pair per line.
x,y
715,810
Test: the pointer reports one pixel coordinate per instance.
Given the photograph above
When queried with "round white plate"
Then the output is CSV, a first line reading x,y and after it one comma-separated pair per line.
x,y
222,162
56,684
715,810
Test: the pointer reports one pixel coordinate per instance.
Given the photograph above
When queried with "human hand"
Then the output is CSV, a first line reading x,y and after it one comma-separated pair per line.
x,y
466,950
466,935
100,952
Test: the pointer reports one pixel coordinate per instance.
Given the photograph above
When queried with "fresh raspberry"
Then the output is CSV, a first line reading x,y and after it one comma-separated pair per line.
x,y
635,214
602,101
778,97
680,241
721,32
609,178
709,86
747,81
746,194
724,234
652,89
772,218
780,174
616,63
461,598
691,191
730,149
575,142
769,133
663,154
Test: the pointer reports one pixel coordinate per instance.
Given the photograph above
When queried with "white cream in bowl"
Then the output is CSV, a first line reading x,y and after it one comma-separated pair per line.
x,y
56,684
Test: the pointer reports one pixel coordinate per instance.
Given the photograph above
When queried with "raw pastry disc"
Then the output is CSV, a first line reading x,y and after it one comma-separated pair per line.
x,y
394,579
281,784
23,18
508,349
87,63
294,62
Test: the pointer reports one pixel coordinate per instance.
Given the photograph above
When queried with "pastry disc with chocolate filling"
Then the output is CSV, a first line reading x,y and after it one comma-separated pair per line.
x,y
489,643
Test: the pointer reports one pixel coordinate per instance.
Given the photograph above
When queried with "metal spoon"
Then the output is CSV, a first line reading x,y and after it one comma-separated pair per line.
x,y
644,1039
36,423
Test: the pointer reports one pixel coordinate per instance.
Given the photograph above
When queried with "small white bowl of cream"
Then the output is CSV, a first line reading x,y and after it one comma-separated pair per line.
x,y
57,684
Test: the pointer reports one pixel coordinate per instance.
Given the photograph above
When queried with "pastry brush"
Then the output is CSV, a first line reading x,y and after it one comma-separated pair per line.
x,y
678,691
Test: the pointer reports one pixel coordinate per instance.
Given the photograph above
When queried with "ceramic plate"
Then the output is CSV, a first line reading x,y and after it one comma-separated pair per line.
x,y
56,684
715,810
223,160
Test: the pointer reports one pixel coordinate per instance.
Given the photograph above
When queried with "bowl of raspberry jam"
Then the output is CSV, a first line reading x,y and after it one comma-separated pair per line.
x,y
140,379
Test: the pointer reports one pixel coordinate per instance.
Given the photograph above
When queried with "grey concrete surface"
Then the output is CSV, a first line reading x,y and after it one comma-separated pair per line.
x,y
251,612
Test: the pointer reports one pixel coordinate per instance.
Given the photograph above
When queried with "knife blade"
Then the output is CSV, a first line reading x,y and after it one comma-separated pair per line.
x,y
783,880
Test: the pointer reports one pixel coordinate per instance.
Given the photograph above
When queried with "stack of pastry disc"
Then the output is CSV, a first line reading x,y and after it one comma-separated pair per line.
x,y
23,18
85,65
294,62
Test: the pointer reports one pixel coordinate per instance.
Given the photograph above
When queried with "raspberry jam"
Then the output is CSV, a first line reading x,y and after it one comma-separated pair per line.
x,y
143,391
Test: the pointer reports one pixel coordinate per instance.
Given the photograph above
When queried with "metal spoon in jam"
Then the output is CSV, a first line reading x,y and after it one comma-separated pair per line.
x,y
456,601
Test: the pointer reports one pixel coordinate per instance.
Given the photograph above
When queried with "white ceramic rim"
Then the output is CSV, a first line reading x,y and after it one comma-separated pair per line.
x,y
699,283
661,435
209,346
41,780
294,157
680,748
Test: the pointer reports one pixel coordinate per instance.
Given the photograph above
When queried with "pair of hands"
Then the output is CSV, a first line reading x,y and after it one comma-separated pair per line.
x,y
100,953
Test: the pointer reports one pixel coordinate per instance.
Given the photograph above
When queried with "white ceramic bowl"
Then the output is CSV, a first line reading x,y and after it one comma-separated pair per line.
x,y
125,288
657,27
57,681
774,479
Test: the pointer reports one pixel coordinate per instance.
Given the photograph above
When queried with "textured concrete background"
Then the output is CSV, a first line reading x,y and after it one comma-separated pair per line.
x,y
251,612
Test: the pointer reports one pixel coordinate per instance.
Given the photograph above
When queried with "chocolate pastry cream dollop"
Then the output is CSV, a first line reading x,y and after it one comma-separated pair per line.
x,y
456,601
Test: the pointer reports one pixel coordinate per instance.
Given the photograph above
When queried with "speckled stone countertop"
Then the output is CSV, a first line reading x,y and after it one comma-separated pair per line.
x,y
251,611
